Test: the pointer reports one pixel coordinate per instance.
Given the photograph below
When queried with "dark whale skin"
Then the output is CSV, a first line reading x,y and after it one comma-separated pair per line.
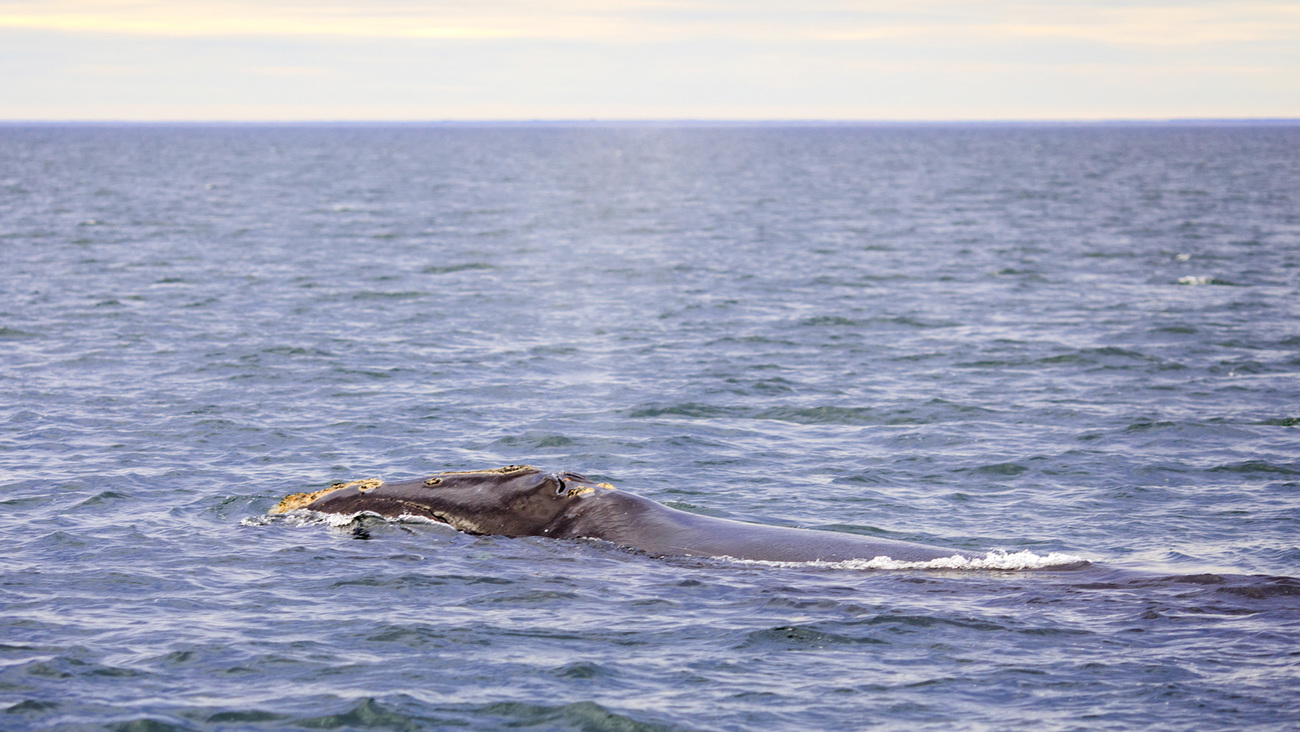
x,y
634,521
520,500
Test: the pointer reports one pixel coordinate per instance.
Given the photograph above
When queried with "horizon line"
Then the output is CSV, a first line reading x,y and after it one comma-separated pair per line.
x,y
685,121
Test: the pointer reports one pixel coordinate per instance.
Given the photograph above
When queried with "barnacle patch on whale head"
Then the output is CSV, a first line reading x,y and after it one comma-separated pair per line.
x,y
302,500
504,470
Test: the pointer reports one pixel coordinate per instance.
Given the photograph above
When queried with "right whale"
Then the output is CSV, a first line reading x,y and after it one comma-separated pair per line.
x,y
521,500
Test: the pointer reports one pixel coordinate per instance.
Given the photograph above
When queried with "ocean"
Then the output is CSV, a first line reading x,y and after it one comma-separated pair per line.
x,y
1027,339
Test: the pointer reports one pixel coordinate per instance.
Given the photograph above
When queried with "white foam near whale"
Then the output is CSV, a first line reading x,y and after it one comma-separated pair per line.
x,y
308,517
994,560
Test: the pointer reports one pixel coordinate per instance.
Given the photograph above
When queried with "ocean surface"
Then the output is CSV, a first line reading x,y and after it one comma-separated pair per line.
x,y
1030,339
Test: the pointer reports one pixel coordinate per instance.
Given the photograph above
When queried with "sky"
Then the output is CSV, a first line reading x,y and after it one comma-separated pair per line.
x,y
406,60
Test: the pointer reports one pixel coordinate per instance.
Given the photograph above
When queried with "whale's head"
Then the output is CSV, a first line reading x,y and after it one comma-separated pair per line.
x,y
517,500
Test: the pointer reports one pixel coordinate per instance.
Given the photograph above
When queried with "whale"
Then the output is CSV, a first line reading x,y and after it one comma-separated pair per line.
x,y
522,500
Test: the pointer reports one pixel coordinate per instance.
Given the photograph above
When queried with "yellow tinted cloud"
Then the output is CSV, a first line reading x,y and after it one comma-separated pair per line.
x,y
975,21
394,20
1135,26
1171,26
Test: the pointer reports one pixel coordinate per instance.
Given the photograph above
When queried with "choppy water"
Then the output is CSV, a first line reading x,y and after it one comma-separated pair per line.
x,y
1033,338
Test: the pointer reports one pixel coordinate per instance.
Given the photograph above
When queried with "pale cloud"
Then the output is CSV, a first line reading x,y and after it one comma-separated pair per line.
x,y
1127,25
112,70
648,59
268,19
1120,23
291,71
1140,26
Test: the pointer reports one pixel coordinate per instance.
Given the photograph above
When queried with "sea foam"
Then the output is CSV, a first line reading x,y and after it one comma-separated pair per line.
x,y
995,560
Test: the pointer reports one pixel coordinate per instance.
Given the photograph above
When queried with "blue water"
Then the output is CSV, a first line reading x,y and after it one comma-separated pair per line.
x,y
1048,338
